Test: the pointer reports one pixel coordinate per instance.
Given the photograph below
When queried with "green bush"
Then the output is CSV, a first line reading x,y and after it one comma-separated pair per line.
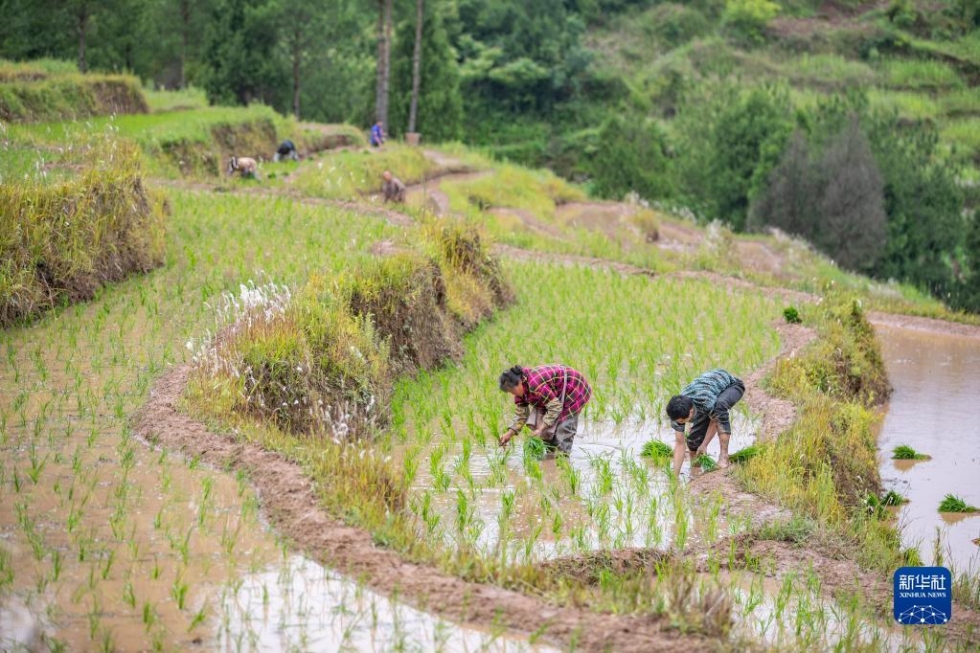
x,y
631,158
748,19
675,24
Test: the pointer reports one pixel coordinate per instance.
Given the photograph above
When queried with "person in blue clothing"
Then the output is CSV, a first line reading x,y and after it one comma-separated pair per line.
x,y
377,135
704,404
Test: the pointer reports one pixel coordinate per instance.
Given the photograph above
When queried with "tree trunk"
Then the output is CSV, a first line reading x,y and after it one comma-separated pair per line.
x,y
185,17
82,28
379,99
416,67
386,78
297,56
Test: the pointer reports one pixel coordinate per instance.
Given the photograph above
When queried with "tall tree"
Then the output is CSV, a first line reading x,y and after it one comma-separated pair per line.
x,y
416,66
301,24
240,53
384,61
82,13
440,102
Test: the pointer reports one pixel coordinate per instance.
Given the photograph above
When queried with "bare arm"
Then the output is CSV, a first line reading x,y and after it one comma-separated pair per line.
x,y
520,419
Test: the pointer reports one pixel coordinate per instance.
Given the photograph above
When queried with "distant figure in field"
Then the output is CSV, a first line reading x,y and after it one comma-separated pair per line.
x,y
704,404
244,165
393,188
377,135
549,399
287,150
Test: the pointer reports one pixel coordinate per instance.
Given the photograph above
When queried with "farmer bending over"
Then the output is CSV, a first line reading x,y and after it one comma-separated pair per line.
x,y
556,393
704,404
392,188
287,150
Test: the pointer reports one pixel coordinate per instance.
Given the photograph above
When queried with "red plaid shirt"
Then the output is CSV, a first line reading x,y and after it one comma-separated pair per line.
x,y
545,383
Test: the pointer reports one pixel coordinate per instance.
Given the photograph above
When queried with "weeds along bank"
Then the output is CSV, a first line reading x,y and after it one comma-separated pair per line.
x,y
825,466
53,90
62,242
311,374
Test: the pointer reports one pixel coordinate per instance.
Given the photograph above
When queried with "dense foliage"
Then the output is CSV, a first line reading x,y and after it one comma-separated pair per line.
x,y
855,133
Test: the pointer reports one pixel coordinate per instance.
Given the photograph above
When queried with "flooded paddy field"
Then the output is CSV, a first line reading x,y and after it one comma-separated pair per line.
x,y
933,409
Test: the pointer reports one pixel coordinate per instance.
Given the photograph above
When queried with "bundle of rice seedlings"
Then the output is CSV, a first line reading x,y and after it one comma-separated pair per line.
x,y
657,450
952,503
905,452
743,455
706,463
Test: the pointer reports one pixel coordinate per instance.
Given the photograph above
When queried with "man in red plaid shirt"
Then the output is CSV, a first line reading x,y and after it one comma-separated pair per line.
x,y
556,392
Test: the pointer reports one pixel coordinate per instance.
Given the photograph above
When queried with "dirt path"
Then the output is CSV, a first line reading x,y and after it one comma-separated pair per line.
x,y
289,499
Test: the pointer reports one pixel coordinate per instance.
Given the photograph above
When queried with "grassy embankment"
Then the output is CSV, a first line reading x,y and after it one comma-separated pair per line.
x,y
63,241
55,90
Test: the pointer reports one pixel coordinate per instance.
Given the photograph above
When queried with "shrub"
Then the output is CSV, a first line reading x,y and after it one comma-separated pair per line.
x,y
749,18
631,157
676,24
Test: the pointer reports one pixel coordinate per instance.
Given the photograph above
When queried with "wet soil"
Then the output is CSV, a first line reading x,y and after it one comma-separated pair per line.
x,y
290,501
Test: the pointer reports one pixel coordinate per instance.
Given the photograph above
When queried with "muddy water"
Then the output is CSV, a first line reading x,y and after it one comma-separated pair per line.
x,y
622,499
791,613
298,605
933,409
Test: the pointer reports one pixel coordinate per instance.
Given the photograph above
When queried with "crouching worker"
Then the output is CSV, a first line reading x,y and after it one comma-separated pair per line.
x,y
287,150
704,404
392,188
549,399
245,166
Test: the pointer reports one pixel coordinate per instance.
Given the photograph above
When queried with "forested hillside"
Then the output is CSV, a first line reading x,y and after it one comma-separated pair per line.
x,y
854,125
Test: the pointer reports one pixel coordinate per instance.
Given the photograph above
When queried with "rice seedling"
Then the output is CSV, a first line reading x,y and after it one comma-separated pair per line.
x,y
657,450
705,462
953,503
744,454
905,452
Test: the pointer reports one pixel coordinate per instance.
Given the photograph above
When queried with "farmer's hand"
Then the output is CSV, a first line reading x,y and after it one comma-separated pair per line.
x,y
505,438
701,451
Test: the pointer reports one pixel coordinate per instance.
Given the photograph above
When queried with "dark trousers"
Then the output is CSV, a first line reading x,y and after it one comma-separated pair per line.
x,y
719,413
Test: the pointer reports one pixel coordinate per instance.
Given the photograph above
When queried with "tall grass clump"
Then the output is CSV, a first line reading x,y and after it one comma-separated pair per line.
x,y
34,92
62,242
